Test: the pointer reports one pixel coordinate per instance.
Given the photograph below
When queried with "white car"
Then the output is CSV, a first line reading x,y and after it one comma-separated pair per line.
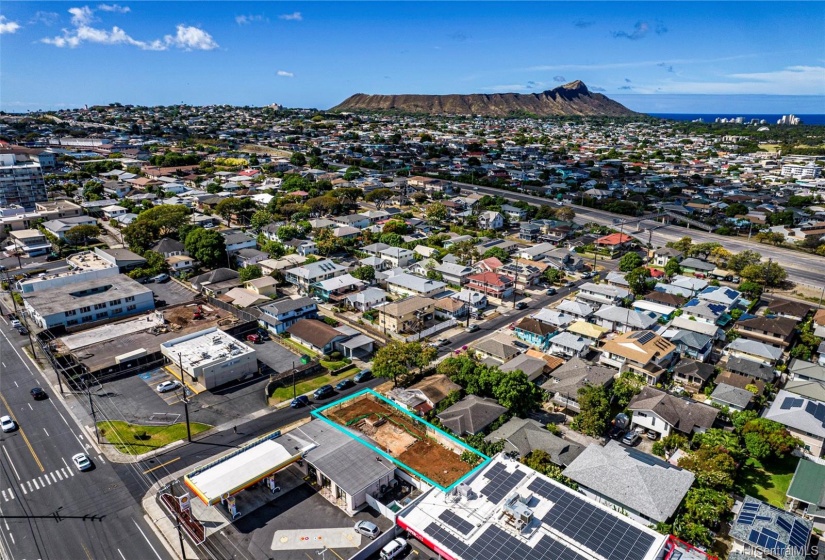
x,y
167,386
15,323
7,424
82,462
394,549
367,528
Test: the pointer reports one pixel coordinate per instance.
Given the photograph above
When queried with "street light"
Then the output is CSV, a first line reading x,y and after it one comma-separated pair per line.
x,y
184,399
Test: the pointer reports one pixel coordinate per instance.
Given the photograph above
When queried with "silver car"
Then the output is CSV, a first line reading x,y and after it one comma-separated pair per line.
x,y
368,529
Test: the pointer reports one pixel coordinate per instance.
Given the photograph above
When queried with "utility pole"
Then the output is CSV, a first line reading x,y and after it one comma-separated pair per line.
x,y
185,399
177,517
92,407
293,380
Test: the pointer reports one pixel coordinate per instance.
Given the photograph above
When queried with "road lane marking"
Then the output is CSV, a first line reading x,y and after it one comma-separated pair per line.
x,y
101,459
147,539
10,463
121,554
30,404
12,538
47,433
11,494
86,550
54,476
22,433
15,384
161,465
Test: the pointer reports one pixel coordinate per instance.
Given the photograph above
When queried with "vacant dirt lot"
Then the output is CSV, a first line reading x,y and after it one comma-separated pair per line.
x,y
425,456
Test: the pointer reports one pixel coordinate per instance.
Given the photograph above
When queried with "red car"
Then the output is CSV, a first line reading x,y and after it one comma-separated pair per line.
x,y
255,338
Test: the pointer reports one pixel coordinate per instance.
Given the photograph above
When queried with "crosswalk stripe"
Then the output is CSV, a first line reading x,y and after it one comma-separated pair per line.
x,y
59,476
11,494
34,481
54,476
71,472
4,496
46,476
24,488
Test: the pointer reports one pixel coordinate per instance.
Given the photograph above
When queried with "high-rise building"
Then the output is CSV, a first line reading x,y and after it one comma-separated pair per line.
x,y
21,182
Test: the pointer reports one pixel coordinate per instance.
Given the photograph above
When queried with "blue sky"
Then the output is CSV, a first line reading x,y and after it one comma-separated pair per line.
x,y
703,57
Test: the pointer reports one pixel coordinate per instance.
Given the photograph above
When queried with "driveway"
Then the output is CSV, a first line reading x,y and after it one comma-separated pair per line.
x,y
274,357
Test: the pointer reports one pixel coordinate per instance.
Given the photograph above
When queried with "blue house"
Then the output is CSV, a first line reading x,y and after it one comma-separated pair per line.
x,y
278,316
534,332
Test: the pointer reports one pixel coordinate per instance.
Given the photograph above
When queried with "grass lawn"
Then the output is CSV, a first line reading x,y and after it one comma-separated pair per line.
x,y
333,365
300,348
122,435
769,481
285,393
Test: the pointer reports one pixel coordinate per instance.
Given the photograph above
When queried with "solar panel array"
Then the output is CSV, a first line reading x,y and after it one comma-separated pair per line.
x,y
501,482
456,522
791,402
799,535
644,336
748,513
766,539
496,544
591,526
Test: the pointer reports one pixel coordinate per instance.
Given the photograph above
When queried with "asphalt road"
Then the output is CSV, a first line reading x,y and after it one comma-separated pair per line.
x,y
801,267
48,509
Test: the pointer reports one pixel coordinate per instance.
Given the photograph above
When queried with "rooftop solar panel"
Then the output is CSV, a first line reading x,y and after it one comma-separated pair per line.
x,y
784,524
799,535
456,522
787,403
745,518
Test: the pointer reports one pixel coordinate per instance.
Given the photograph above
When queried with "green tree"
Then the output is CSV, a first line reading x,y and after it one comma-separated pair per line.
x,y
392,239
207,247
738,261
767,438
706,506
672,267
517,393
465,252
326,241
397,360
239,207
260,219
436,213
365,273
379,197
250,272
594,410
140,235
627,386
348,195
80,235
637,280
716,438
298,159
540,461
168,218
683,245
500,254
396,226
630,261
712,466
351,173
553,275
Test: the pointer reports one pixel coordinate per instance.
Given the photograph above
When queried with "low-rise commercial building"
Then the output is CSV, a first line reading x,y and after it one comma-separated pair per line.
x,y
210,357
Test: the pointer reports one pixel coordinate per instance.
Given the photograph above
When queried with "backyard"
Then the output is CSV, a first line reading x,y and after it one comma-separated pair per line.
x,y
134,439
768,481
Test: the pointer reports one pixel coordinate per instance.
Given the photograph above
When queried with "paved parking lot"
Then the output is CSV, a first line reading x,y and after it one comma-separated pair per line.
x,y
171,292
301,509
275,356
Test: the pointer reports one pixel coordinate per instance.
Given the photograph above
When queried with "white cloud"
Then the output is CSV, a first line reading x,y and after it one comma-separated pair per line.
x,y
82,16
117,8
247,19
285,74
46,18
8,26
294,16
191,38
187,37
792,80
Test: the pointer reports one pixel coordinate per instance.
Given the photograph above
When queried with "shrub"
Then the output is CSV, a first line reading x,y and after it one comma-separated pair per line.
x,y
142,435
335,355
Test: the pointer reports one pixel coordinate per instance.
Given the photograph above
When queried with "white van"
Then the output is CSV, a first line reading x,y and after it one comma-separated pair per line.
x,y
394,549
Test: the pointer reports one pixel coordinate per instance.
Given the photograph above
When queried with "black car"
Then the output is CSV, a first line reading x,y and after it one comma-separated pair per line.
x,y
344,384
323,392
160,303
363,375
299,401
22,330
52,257
38,394
521,305
263,334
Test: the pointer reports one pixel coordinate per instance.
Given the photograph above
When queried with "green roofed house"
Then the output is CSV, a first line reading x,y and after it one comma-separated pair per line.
x,y
807,490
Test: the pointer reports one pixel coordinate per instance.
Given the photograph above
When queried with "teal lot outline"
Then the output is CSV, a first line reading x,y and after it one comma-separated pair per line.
x,y
319,414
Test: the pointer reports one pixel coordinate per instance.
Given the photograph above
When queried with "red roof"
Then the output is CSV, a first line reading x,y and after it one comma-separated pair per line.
x,y
490,279
249,172
655,272
614,239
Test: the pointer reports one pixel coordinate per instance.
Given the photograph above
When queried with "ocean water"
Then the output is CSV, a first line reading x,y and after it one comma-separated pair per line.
x,y
818,120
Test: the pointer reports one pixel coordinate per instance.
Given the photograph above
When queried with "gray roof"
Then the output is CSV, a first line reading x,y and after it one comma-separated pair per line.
x,y
697,264
692,367
66,298
630,478
346,461
577,373
799,413
415,283
286,305
496,348
471,415
236,237
750,524
167,245
524,435
214,276
531,367
728,394
755,348
685,415
807,370
691,339
624,316
750,368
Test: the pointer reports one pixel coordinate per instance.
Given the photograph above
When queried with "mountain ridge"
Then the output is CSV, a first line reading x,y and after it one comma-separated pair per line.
x,y
571,99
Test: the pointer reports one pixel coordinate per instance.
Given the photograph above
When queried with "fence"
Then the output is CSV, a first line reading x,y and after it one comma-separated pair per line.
x,y
432,330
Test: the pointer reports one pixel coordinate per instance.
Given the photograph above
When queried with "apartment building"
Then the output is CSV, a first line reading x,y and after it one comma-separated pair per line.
x,y
21,182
